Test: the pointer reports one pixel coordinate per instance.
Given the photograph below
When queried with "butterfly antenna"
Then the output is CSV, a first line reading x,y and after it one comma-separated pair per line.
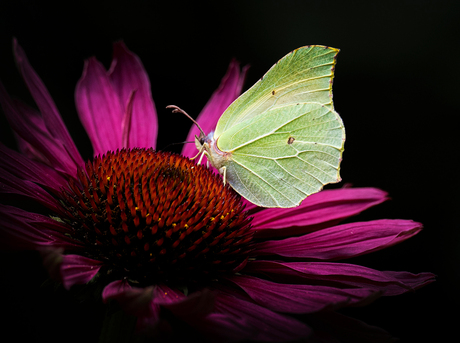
x,y
176,143
176,109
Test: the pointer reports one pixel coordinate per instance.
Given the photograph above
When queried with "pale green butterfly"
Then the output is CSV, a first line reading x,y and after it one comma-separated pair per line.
x,y
281,140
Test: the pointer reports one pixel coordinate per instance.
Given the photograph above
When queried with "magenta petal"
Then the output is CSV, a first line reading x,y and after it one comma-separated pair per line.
x,y
135,301
229,89
45,103
115,289
30,127
127,120
297,298
10,184
77,270
27,169
25,230
221,327
32,135
197,304
128,75
260,323
99,108
320,210
409,280
342,241
339,274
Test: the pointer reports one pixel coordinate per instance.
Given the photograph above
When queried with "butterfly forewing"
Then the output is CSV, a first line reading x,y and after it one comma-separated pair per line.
x,y
304,75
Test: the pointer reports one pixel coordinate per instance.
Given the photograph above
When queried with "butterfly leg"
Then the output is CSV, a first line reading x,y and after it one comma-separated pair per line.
x,y
199,152
201,157
223,171
205,153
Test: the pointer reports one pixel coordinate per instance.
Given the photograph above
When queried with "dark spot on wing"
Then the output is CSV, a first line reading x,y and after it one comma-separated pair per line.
x,y
273,92
290,140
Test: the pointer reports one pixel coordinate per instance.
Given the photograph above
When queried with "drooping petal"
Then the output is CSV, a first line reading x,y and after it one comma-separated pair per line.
x,y
78,270
22,116
258,322
46,105
340,275
25,230
297,298
30,127
128,75
342,241
229,89
146,302
115,289
222,327
99,108
135,301
197,304
27,169
10,184
52,260
320,210
138,302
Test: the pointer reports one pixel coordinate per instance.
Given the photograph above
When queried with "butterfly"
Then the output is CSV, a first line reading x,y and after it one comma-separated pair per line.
x,y
281,140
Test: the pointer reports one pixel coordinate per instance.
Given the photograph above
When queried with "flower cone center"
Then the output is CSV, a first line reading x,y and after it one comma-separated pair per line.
x,y
152,216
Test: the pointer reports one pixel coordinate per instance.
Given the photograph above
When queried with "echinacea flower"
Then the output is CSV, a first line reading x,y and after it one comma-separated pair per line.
x,y
163,235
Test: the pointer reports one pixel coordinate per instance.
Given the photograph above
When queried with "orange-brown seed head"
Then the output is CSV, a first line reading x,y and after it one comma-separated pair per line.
x,y
154,216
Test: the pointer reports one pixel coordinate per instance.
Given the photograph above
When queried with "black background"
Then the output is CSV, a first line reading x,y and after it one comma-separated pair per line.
x,y
396,88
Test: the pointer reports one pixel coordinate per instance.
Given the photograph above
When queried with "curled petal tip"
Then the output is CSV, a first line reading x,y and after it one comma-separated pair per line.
x,y
120,46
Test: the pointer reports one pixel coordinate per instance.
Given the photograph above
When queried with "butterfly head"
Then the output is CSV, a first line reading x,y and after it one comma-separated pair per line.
x,y
202,139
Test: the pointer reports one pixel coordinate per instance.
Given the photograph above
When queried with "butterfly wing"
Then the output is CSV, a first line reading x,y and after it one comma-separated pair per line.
x,y
304,75
280,157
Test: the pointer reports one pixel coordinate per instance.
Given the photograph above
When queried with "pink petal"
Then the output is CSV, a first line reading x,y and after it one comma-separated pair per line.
x,y
22,116
135,301
99,108
51,116
320,210
222,327
128,75
259,323
295,298
77,270
197,304
10,184
115,289
342,241
27,169
339,274
127,121
30,127
26,230
229,89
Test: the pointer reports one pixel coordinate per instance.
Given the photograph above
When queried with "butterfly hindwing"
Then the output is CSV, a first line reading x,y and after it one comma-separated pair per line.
x,y
287,153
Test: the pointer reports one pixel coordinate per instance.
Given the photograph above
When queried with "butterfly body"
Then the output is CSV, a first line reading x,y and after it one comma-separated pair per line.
x,y
208,146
